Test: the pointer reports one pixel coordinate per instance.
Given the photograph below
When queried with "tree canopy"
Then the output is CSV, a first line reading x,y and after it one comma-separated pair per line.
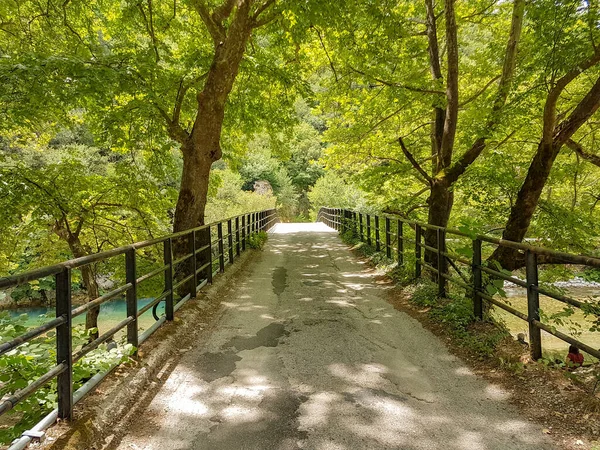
x,y
473,112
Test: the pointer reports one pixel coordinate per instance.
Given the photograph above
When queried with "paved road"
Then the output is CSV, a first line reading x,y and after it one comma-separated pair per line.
x,y
309,355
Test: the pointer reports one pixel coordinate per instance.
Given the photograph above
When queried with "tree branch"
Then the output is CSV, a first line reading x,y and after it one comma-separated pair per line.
x,y
216,30
175,130
262,8
451,120
480,92
414,162
327,54
223,11
556,91
504,86
577,148
398,85
582,112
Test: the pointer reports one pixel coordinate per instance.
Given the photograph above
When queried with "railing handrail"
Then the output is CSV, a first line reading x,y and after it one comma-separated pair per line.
x,y
568,258
250,223
334,217
74,263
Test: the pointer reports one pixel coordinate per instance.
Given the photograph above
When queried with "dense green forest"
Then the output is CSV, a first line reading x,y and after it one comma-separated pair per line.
x,y
121,120
124,120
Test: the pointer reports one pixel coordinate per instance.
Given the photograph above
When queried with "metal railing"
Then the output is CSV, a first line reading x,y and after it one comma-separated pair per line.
x,y
394,230
189,273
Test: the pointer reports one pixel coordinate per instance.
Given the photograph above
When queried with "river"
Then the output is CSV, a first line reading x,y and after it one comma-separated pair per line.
x,y
111,313
575,324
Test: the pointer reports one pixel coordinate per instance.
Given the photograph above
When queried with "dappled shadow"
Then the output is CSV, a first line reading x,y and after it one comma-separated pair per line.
x,y
316,359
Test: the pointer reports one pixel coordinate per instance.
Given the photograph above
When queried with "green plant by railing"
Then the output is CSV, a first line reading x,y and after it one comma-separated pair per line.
x,y
26,363
442,253
258,240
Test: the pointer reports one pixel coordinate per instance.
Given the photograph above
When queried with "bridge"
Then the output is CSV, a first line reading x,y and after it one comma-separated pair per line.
x,y
306,351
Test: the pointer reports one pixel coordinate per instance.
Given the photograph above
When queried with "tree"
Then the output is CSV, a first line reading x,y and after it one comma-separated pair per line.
x,y
85,197
569,103
417,94
138,69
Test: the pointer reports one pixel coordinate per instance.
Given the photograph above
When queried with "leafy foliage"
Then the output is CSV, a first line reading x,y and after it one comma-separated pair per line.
x,y
257,240
26,363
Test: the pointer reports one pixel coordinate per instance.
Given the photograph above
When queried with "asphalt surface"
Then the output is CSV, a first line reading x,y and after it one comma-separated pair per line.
x,y
309,355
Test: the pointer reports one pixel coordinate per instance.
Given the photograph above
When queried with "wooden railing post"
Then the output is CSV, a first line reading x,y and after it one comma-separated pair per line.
x,y
377,236
64,345
477,280
368,229
361,228
244,233
417,251
168,259
209,273
221,247
441,241
193,263
131,297
400,237
237,236
388,238
230,240
533,305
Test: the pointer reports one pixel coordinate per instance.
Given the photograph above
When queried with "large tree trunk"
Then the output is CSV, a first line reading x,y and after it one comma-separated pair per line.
x,y
527,200
88,274
203,147
553,138
440,203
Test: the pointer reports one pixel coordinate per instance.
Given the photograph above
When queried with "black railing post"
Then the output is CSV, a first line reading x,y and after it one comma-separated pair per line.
x,y
230,240
221,247
193,265
400,237
168,259
388,238
368,229
477,280
209,273
417,251
377,237
360,225
64,345
533,305
131,297
237,236
244,232
441,241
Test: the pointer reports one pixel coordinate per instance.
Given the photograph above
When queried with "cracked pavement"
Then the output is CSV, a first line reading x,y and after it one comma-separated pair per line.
x,y
309,355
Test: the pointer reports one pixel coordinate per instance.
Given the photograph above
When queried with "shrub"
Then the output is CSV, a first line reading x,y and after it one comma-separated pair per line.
x,y
257,240
425,293
24,364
